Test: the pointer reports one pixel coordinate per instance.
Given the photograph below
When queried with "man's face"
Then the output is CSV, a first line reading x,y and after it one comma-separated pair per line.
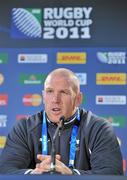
x,y
59,98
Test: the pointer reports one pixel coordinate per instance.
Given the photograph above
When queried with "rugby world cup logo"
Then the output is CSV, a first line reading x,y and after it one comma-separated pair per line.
x,y
26,23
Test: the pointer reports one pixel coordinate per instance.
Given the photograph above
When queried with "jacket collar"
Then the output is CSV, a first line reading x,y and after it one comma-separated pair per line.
x,y
67,123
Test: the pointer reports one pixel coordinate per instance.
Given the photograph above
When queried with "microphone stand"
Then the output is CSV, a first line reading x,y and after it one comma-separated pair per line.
x,y
53,149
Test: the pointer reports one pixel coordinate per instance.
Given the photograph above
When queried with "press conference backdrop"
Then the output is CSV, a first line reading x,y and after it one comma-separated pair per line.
x,y
86,36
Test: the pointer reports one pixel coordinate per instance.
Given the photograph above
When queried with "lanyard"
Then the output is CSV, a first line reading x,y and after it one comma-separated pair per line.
x,y
44,136
73,141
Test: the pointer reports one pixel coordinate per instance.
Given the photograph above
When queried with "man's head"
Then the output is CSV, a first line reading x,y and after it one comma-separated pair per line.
x,y
61,95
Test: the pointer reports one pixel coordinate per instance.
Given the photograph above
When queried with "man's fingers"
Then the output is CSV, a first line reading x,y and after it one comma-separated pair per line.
x,y
45,165
43,157
62,168
58,157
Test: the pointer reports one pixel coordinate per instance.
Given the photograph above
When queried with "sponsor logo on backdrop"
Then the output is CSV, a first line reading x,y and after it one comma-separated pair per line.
x,y
117,121
3,58
84,100
2,141
3,120
82,78
21,116
71,58
26,23
1,79
54,22
111,78
110,100
32,58
3,99
32,78
112,57
124,165
32,99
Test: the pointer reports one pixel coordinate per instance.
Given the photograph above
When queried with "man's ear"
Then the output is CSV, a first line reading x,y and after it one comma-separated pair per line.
x,y
43,96
79,99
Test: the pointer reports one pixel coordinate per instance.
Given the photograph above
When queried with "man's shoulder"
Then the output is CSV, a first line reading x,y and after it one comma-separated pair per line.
x,y
31,122
92,119
94,126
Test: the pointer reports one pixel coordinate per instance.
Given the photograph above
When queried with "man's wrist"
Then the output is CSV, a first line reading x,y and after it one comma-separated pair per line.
x,y
74,171
28,171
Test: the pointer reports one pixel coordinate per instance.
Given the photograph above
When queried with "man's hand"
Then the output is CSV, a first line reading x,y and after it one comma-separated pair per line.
x,y
45,165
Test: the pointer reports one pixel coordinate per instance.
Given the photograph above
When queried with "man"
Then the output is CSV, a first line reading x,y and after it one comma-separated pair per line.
x,y
86,143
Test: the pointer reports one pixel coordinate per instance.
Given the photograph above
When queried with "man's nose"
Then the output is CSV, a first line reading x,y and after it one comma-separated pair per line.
x,y
56,97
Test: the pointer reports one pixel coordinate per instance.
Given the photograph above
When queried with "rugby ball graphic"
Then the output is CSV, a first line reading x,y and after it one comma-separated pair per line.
x,y
102,57
26,23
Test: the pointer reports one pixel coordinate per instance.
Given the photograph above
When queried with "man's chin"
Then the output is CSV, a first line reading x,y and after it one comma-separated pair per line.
x,y
55,119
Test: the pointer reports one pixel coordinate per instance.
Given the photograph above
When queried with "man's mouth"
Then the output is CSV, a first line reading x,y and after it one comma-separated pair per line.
x,y
56,109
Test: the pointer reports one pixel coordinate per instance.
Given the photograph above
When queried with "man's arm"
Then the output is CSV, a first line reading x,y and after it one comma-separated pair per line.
x,y
105,156
16,156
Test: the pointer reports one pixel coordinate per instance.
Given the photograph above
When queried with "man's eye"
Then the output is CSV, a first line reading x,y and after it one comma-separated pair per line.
x,y
49,91
64,92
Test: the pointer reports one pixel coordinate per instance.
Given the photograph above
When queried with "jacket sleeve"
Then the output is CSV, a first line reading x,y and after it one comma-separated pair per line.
x,y
16,156
105,155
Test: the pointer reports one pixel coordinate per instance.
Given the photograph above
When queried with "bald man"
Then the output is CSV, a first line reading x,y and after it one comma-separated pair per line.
x,y
86,144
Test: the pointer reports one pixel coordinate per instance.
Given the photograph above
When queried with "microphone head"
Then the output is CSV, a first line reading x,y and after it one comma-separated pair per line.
x,y
62,120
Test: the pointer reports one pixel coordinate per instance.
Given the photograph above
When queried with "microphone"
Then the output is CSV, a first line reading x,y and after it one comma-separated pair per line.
x,y
53,148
